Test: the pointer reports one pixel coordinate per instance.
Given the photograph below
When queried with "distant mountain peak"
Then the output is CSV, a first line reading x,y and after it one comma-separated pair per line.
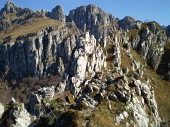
x,y
90,17
58,13
10,7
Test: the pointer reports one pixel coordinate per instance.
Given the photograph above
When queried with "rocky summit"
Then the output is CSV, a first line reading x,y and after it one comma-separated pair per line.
x,y
87,69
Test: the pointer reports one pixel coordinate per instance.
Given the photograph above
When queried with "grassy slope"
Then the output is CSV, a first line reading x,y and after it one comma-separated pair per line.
x,y
32,25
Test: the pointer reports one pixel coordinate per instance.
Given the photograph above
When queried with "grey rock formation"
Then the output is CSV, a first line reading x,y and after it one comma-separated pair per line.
x,y
12,101
37,56
87,101
117,58
113,97
87,59
1,110
151,43
138,105
21,14
34,99
57,13
88,63
129,23
9,7
89,17
20,116
43,13
168,31
45,93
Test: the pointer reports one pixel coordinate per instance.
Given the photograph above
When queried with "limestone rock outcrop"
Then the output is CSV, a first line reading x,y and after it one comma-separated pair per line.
x,y
57,13
90,17
37,56
20,115
1,110
129,23
45,93
168,30
9,7
95,56
151,43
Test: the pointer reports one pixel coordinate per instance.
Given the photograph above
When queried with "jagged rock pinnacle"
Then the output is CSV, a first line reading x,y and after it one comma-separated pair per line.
x,y
10,7
57,13
89,17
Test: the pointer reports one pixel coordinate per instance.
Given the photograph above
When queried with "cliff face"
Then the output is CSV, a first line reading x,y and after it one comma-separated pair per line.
x,y
90,17
102,62
129,23
38,56
57,13
168,30
150,41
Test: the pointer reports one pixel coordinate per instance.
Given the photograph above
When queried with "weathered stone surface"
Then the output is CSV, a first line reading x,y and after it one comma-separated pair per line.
x,y
168,31
89,17
10,7
45,93
113,97
43,13
34,99
151,43
21,116
12,101
57,13
81,58
87,101
128,23
1,110
38,56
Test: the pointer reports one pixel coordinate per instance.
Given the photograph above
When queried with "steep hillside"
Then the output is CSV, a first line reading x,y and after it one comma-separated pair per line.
x,y
82,70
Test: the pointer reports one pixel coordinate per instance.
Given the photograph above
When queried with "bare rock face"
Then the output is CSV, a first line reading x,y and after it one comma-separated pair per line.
x,y
89,17
89,64
39,56
20,116
37,98
141,98
129,23
1,110
152,43
168,31
57,13
9,7
43,13
87,60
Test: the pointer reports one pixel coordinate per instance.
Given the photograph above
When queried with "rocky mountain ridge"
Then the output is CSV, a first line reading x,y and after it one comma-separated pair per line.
x,y
107,68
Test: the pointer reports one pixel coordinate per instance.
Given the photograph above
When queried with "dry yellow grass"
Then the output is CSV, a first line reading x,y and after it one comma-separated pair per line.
x,y
32,25
103,117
